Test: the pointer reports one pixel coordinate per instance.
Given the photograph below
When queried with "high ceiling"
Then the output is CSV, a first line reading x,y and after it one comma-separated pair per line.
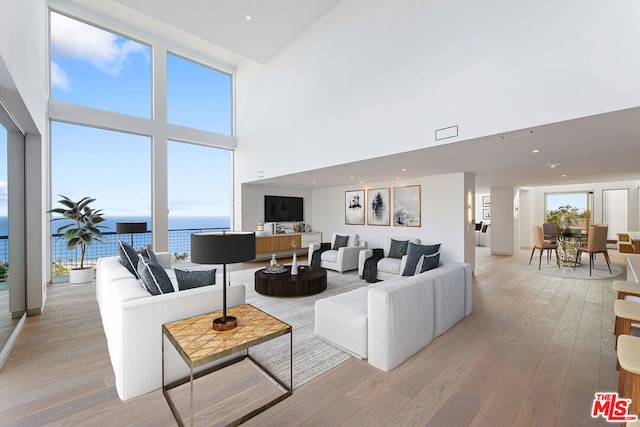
x,y
600,148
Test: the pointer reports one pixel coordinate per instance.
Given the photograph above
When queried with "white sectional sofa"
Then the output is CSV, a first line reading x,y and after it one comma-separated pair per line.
x,y
388,322
132,319
342,259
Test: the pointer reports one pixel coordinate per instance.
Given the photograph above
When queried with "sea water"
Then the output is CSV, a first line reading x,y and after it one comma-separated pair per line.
x,y
180,229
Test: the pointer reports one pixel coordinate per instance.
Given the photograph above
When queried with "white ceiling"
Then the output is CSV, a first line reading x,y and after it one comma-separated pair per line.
x,y
600,148
273,23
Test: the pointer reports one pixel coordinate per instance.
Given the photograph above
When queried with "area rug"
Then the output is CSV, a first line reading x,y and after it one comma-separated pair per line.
x,y
600,270
311,355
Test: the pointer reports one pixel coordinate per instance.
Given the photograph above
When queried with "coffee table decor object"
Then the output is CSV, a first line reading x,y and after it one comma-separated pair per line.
x,y
198,344
223,248
308,281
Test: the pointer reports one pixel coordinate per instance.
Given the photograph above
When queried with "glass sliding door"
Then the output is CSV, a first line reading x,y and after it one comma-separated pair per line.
x,y
12,267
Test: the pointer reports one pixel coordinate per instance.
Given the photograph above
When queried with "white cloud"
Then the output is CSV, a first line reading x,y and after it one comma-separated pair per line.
x,y
78,40
59,77
3,190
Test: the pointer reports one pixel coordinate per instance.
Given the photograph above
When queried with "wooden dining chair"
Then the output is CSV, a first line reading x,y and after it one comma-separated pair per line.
x,y
596,244
544,245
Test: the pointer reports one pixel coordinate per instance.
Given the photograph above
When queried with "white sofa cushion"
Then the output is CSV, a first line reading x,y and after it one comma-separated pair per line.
x,y
342,320
401,320
390,265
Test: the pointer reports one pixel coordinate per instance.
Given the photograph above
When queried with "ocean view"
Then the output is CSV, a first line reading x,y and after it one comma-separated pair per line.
x,y
179,241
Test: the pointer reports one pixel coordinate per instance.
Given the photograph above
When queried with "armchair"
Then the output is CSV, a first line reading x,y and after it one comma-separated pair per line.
x,y
388,268
341,259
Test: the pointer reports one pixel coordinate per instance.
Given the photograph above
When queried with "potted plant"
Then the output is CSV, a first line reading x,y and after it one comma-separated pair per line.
x,y
82,231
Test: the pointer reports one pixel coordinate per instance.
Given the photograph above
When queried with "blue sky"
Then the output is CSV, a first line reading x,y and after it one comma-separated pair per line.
x,y
555,200
95,68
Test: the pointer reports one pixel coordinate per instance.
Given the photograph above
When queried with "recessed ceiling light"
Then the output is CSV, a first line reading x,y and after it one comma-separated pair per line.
x,y
404,169
351,177
553,165
397,177
535,151
313,182
564,175
248,18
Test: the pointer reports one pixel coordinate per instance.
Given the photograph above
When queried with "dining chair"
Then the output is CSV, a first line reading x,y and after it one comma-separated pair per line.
x,y
596,244
540,243
550,231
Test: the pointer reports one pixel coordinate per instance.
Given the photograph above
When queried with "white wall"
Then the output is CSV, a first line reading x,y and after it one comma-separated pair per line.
x,y
375,77
253,203
23,87
444,215
504,224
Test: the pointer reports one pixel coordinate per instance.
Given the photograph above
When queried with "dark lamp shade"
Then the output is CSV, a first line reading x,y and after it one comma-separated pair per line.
x,y
223,248
131,227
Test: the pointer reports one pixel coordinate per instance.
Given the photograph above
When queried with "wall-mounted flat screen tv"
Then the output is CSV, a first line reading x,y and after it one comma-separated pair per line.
x,y
283,209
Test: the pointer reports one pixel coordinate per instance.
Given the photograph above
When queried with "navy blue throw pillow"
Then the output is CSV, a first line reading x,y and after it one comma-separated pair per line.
x,y
148,253
154,277
128,257
414,252
428,262
189,279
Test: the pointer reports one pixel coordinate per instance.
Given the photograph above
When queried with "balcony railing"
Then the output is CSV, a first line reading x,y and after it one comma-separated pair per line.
x,y
62,259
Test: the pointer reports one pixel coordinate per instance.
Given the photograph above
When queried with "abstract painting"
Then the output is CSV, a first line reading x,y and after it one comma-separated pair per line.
x,y
406,206
354,207
378,209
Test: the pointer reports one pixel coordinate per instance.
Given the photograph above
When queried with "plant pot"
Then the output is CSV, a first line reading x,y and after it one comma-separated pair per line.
x,y
81,276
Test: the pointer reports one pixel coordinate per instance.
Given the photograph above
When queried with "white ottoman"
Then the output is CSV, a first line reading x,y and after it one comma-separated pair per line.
x,y
342,320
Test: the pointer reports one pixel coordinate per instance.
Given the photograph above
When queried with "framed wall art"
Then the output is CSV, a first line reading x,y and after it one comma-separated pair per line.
x,y
354,204
486,201
486,214
378,208
406,206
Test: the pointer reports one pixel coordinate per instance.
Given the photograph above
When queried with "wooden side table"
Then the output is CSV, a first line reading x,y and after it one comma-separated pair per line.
x,y
199,344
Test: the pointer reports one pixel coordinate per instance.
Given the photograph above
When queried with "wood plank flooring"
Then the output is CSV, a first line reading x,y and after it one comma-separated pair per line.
x,y
533,353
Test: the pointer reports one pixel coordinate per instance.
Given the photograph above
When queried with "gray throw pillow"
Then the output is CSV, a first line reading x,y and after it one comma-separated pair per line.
x,y
128,257
189,279
414,252
398,248
428,262
154,277
146,252
340,242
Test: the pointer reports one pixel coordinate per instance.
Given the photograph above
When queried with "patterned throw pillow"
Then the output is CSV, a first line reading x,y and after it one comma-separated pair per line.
x,y
189,279
128,257
340,242
146,252
428,262
398,248
154,277
414,252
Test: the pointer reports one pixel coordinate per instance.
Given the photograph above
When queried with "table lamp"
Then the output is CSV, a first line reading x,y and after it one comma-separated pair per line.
x,y
223,248
131,228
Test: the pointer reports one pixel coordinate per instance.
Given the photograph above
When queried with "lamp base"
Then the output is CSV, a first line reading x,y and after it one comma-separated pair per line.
x,y
220,324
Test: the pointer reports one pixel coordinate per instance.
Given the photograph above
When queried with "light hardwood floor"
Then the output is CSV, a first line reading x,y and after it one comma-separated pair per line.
x,y
533,353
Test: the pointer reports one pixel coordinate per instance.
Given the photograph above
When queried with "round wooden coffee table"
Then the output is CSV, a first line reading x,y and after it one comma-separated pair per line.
x,y
309,281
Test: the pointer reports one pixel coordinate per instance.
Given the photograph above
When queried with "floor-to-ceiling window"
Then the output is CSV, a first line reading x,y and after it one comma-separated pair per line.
x,y
119,105
89,162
